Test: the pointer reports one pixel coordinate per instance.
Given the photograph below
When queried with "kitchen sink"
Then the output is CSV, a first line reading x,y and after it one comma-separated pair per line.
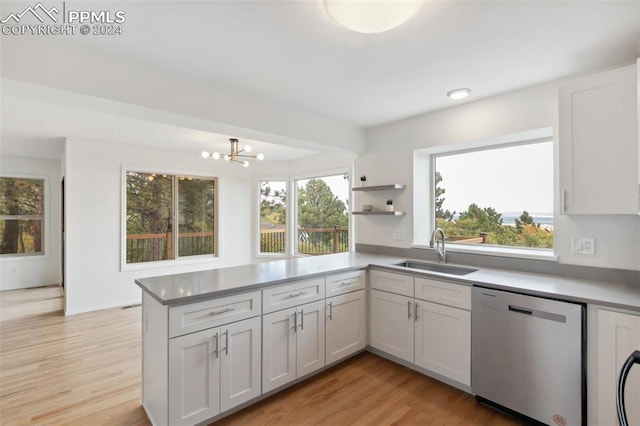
x,y
436,267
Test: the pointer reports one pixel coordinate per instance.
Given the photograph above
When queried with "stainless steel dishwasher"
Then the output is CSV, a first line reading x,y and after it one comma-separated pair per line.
x,y
527,356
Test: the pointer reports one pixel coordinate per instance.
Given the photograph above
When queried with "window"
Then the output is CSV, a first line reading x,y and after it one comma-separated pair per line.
x,y
496,195
152,202
322,214
21,216
273,216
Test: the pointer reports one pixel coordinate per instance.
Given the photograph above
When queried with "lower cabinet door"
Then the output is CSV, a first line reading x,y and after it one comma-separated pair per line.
x,y
392,324
278,348
310,338
346,325
194,381
240,361
443,340
618,336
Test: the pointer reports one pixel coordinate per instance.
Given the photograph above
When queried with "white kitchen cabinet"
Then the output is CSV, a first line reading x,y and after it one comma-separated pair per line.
x,y
345,325
392,324
213,370
293,344
613,337
598,141
443,340
432,330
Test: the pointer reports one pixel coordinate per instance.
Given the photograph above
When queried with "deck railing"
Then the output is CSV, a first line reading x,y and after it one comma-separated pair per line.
x,y
152,247
311,241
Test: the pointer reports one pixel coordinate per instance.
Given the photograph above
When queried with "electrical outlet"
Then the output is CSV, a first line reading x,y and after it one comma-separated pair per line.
x,y
584,246
398,236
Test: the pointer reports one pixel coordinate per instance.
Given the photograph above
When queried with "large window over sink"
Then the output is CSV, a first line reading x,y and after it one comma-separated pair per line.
x,y
490,194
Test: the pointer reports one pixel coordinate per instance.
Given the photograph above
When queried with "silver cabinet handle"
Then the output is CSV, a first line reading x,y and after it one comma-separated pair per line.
x,y
564,200
215,351
415,316
348,282
409,309
301,319
295,321
226,345
212,313
297,293
331,311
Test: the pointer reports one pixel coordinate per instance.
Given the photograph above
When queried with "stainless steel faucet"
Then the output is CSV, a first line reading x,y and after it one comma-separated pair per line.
x,y
441,253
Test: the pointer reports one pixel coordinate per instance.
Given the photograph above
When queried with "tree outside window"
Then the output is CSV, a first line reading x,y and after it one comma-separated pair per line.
x,y
152,202
21,216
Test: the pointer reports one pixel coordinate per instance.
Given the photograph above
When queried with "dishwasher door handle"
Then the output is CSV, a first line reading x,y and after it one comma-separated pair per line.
x,y
520,310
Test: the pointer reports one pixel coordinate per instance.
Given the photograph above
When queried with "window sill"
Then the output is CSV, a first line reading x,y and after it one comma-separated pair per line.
x,y
512,252
199,260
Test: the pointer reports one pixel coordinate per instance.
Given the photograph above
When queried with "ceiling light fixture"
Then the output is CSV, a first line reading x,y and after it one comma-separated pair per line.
x,y
234,154
459,93
371,17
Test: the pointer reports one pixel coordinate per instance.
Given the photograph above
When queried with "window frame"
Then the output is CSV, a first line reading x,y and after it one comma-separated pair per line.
x,y
45,218
293,204
177,260
424,183
287,244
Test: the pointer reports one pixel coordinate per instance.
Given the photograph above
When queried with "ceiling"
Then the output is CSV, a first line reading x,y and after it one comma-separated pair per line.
x,y
292,53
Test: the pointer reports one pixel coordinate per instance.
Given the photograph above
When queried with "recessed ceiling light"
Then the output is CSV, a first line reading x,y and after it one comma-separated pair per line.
x,y
371,17
458,93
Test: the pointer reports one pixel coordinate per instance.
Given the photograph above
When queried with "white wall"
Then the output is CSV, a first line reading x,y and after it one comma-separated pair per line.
x,y
34,271
389,159
93,219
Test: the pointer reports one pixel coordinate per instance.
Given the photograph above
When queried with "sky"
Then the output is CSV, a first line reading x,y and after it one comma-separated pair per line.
x,y
507,179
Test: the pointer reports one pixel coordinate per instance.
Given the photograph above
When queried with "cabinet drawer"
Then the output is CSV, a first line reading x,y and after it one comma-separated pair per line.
x,y
345,283
394,283
445,293
212,313
288,295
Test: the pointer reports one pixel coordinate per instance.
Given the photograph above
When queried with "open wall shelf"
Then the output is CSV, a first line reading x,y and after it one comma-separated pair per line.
x,y
385,213
389,187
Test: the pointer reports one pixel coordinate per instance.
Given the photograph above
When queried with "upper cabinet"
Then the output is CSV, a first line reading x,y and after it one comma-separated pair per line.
x,y
598,140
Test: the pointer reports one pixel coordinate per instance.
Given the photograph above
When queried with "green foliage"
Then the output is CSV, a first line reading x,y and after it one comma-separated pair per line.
x,y
486,222
21,197
273,205
318,207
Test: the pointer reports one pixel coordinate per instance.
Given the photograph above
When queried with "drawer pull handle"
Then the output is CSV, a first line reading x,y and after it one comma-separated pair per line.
x,y
301,319
331,311
295,322
213,313
415,310
297,293
409,310
348,282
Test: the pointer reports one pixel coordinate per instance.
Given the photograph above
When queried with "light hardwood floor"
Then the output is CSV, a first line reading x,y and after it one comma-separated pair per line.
x,y
85,369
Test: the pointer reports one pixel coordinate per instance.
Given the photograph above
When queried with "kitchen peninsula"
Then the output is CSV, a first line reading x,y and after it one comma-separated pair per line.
x,y
218,340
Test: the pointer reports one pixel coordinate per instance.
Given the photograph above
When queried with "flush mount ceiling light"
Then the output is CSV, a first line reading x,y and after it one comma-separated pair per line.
x,y
459,93
235,153
371,16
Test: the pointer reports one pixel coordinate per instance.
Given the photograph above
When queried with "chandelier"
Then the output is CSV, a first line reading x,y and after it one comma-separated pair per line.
x,y
235,153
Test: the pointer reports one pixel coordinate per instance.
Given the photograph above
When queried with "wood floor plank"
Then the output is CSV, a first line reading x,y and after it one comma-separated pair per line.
x,y
86,369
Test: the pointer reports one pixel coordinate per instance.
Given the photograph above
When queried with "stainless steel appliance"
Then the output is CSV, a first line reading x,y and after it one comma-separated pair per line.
x,y
528,356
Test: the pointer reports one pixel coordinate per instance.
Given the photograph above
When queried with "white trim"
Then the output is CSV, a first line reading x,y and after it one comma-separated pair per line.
x,y
498,251
181,261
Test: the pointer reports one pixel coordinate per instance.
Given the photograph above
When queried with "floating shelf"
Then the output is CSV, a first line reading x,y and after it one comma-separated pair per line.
x,y
393,186
393,213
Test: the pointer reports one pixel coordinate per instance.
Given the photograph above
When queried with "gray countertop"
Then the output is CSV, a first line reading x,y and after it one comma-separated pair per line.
x,y
196,286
